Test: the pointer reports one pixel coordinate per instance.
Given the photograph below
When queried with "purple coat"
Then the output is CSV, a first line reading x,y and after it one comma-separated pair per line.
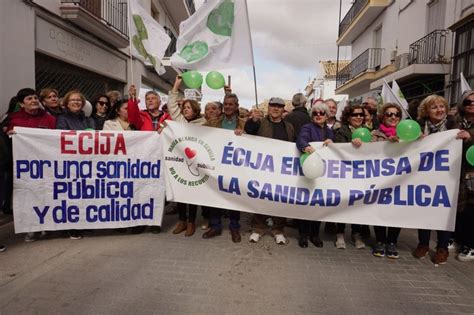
x,y
313,133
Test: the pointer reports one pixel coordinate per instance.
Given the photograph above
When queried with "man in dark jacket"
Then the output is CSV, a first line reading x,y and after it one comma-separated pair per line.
x,y
272,126
299,117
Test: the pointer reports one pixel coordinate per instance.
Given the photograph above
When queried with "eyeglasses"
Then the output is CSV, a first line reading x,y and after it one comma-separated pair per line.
x,y
75,101
467,102
103,103
319,113
357,115
391,114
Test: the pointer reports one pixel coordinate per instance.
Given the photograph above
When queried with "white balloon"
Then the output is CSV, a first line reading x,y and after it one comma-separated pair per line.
x,y
87,109
313,166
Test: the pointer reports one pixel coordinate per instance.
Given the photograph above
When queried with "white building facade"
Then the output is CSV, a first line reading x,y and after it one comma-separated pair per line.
x,y
79,44
411,41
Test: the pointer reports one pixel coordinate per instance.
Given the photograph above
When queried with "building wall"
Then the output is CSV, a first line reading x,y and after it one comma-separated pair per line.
x,y
17,62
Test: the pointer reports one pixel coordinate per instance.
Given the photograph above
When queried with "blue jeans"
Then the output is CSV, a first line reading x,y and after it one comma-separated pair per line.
x,y
215,221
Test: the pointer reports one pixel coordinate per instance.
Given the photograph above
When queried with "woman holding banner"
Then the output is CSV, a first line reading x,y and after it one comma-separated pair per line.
x,y
189,112
387,237
316,131
118,117
465,218
352,118
433,118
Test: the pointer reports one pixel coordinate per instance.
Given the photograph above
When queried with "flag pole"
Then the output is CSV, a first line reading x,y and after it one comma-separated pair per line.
x,y
129,18
253,59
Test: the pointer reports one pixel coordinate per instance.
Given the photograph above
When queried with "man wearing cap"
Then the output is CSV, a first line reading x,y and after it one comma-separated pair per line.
x,y
229,120
272,126
299,117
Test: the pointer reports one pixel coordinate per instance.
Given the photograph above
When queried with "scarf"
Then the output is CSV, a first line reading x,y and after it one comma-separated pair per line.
x,y
388,131
434,128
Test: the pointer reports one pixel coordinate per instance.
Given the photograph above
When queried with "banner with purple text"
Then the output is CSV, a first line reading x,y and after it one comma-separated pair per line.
x,y
86,179
412,185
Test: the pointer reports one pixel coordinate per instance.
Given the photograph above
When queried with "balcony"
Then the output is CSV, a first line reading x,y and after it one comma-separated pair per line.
x,y
172,46
429,49
178,10
426,59
107,19
358,18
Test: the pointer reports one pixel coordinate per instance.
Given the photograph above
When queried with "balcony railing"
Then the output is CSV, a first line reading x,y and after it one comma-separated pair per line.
x,y
112,12
368,60
429,49
351,15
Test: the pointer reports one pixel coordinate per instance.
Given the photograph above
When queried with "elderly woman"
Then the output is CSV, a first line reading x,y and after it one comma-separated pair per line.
x,y
50,100
352,118
316,131
387,237
74,118
118,117
100,111
189,112
433,117
465,219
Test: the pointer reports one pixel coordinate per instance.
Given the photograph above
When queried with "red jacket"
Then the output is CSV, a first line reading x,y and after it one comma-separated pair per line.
x,y
141,119
21,118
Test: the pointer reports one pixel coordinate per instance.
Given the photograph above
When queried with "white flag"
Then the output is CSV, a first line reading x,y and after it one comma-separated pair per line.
x,y
398,93
216,37
464,85
388,96
149,39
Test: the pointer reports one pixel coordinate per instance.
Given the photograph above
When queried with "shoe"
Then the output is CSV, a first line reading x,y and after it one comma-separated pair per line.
x,y
75,235
190,229
391,251
205,225
441,256
340,243
155,229
211,233
303,241
280,239
138,229
378,250
452,245
316,241
421,251
357,240
235,234
466,255
31,237
254,237
2,248
330,228
180,227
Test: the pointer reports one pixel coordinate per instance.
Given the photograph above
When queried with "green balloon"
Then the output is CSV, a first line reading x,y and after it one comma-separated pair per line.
x,y
303,157
408,130
470,155
363,134
192,79
215,80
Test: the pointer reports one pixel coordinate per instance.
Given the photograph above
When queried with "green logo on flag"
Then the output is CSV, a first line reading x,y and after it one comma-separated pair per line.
x,y
194,51
221,19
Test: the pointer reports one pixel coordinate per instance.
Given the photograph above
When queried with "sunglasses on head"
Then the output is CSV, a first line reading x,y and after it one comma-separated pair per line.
x,y
391,114
319,113
467,102
101,103
357,115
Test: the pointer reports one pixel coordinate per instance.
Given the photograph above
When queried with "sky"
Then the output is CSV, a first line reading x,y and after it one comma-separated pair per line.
x,y
289,39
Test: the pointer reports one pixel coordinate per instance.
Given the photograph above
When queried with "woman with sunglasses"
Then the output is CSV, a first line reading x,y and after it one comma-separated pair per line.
x,y
317,130
100,111
387,237
465,218
433,118
352,117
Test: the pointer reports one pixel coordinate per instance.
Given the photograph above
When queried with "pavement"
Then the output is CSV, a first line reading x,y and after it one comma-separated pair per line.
x,y
112,273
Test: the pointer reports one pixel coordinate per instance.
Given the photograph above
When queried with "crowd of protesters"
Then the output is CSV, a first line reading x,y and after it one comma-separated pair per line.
x,y
303,125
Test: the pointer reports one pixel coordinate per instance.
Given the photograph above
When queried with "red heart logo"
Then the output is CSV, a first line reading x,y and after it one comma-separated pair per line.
x,y
190,153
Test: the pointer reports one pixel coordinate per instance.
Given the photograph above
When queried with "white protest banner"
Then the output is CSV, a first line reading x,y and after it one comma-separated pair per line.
x,y
413,185
86,179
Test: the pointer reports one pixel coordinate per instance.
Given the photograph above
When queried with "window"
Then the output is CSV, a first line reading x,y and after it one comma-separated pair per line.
x,y
463,58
